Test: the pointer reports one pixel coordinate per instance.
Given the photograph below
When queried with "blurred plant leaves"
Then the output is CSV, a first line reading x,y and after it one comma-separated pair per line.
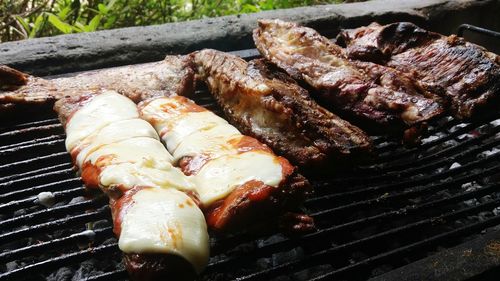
x,y
37,18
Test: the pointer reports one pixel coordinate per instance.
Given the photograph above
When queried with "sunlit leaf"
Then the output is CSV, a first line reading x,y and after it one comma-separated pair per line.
x,y
94,23
80,26
59,24
111,4
63,14
24,23
102,8
37,26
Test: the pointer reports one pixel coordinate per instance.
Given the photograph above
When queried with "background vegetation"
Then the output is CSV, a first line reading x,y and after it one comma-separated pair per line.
x,y
22,19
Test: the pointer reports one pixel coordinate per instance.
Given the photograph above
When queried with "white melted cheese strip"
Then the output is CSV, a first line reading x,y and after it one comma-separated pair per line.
x,y
193,133
102,110
212,142
165,221
139,162
129,154
218,177
128,175
189,123
115,132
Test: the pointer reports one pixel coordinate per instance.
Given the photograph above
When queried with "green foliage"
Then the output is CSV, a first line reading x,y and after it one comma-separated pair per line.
x,y
22,19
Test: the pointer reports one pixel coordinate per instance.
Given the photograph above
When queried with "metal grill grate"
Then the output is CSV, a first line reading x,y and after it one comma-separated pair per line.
x,y
408,204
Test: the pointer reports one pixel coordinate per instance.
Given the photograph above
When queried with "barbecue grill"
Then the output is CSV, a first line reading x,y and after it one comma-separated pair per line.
x,y
427,212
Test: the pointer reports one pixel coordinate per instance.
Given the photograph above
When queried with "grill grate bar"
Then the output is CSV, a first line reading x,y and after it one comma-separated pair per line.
x,y
31,130
20,149
30,201
34,141
58,261
409,210
456,151
420,180
357,243
406,194
113,275
60,211
81,237
52,225
28,175
426,163
299,264
32,161
52,186
461,231
49,121
405,211
67,171
392,156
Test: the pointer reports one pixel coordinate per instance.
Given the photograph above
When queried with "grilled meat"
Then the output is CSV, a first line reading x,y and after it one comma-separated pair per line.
x,y
11,78
173,75
359,91
161,230
468,75
270,106
238,180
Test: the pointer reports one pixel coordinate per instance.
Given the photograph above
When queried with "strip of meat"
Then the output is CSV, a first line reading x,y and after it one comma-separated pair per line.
x,y
161,230
173,75
270,106
350,88
238,179
468,74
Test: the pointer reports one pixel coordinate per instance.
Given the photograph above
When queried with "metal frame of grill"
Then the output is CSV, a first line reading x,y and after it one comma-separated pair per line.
x,y
405,206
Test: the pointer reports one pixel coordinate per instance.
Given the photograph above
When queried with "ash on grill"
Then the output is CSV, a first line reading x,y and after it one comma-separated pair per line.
x,y
409,204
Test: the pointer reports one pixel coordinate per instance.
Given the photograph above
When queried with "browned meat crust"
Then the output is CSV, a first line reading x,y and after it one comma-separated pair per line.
x,y
360,91
148,266
11,78
254,200
174,75
468,75
270,106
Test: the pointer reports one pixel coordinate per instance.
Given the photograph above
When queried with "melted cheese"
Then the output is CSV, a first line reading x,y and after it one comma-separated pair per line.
x,y
211,142
133,150
189,123
102,110
143,173
204,133
165,221
115,132
218,177
155,114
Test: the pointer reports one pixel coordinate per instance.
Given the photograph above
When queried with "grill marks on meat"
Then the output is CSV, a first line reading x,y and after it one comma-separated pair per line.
x,y
355,89
173,75
468,75
269,105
